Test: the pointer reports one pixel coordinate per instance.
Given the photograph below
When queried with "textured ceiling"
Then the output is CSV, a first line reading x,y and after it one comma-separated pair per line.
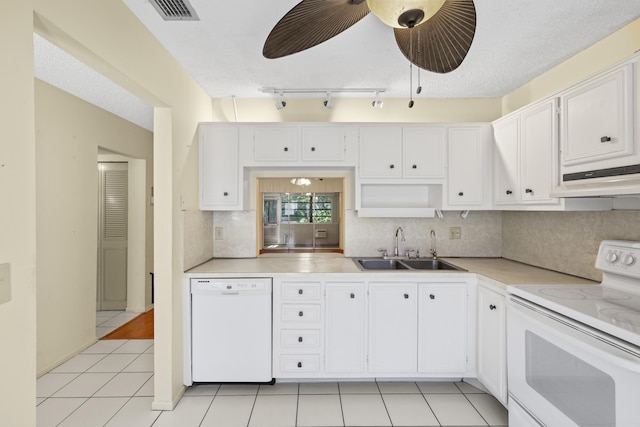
x,y
516,40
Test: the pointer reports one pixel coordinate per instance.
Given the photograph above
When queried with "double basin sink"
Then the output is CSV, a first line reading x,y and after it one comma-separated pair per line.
x,y
403,264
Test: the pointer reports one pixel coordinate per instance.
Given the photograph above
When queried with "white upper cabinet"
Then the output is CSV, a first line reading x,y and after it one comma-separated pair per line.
x,y
469,166
526,155
380,151
220,187
275,144
402,152
424,152
597,119
323,143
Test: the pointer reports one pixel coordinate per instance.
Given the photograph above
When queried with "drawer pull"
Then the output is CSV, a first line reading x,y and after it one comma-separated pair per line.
x,y
406,296
300,291
509,192
299,364
286,148
313,148
432,296
225,194
391,166
300,314
528,191
352,296
414,167
299,339
460,194
492,307
605,139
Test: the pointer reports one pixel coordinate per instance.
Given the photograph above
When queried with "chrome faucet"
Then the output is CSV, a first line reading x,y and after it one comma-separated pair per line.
x,y
401,231
433,244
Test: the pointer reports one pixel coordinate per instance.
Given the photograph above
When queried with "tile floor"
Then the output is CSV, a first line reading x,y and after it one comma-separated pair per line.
x,y
108,321
111,384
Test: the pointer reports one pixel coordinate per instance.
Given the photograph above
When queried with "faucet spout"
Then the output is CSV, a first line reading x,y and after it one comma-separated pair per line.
x,y
399,232
433,250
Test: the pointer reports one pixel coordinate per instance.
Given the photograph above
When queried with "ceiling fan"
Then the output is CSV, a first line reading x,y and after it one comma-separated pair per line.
x,y
435,35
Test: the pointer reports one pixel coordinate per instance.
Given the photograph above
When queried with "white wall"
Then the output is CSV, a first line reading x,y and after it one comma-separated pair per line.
x,y
17,216
68,134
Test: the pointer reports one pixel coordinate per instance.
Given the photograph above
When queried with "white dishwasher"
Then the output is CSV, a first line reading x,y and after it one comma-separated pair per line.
x,y
231,330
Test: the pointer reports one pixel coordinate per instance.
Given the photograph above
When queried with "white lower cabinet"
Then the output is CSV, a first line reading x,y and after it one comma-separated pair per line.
x,y
393,330
492,322
442,328
371,328
345,306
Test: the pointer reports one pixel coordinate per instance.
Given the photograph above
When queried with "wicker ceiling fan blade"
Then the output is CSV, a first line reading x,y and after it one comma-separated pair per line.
x,y
310,23
441,43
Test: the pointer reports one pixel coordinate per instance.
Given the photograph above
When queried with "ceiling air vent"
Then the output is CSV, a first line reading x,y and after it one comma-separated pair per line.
x,y
175,10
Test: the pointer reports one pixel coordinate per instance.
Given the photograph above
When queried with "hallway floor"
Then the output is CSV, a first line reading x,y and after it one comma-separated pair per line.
x,y
111,384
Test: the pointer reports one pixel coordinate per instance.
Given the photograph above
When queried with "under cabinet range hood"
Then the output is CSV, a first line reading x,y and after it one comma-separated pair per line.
x,y
616,181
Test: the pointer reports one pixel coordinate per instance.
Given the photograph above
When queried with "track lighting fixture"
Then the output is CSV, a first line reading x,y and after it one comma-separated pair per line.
x,y
327,102
280,103
377,103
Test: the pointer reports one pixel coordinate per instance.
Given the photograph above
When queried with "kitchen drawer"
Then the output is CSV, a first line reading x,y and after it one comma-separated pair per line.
x,y
301,312
300,363
300,338
301,291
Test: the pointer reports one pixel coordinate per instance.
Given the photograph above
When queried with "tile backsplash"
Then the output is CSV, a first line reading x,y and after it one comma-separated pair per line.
x,y
565,241
197,237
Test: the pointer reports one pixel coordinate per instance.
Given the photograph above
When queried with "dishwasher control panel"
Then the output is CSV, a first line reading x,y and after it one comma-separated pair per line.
x,y
235,284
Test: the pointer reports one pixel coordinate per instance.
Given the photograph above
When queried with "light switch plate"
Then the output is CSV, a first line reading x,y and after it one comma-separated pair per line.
x,y
455,232
219,233
5,283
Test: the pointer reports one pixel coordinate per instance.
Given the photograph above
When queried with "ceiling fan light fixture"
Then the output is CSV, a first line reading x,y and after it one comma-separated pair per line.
x,y
404,13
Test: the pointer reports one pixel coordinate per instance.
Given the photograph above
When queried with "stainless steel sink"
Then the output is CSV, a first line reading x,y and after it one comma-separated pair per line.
x,y
380,264
429,264
404,264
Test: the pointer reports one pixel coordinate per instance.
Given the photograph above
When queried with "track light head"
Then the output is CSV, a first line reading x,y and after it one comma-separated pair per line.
x,y
280,103
327,102
377,103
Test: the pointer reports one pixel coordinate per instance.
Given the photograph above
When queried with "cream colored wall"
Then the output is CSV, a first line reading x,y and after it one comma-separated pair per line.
x,y
358,110
617,47
108,37
68,134
17,216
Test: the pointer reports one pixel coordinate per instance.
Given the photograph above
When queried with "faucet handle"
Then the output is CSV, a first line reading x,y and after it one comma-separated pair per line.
x,y
408,253
383,252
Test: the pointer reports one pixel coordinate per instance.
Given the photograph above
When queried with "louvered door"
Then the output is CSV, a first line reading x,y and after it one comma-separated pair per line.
x,y
112,239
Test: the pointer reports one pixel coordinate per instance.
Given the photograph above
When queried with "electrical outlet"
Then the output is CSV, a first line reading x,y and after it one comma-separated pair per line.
x,y
455,233
219,234
5,283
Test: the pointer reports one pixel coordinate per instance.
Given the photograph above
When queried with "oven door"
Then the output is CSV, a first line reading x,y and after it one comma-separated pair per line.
x,y
564,373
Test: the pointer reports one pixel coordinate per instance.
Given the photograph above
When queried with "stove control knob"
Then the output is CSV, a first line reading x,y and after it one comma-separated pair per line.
x,y
612,257
628,260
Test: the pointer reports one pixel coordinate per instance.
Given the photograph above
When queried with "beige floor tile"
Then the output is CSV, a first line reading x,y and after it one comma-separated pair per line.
x,y
409,410
491,410
229,411
274,411
360,387
436,387
364,410
397,387
454,410
318,388
319,410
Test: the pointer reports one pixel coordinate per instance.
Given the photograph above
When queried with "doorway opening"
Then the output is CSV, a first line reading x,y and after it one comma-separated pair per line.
x,y
301,215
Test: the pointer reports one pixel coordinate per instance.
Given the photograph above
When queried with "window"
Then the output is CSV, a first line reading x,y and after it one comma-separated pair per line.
x,y
307,207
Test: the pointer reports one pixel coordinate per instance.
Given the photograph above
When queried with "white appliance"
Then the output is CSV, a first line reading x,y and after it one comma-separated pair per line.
x,y
574,351
228,330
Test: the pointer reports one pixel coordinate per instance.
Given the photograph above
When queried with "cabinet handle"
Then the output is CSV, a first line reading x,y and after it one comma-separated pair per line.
x,y
509,192
352,296
432,296
300,314
605,139
286,148
528,191
299,364
461,194
300,291
299,339
391,166
406,296
492,307
414,167
313,148
225,193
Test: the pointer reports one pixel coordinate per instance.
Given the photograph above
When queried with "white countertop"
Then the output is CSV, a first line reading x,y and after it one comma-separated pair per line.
x,y
500,270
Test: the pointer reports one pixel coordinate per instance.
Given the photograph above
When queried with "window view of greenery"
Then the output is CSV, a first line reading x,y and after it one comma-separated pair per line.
x,y
307,208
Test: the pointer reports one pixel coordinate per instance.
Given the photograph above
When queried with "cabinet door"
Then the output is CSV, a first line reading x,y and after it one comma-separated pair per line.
x,y
466,168
345,327
442,328
492,363
598,119
219,189
539,139
392,327
275,144
506,188
424,152
323,144
381,152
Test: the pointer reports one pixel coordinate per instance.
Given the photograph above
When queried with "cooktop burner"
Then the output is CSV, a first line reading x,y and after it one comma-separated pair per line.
x,y
627,319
